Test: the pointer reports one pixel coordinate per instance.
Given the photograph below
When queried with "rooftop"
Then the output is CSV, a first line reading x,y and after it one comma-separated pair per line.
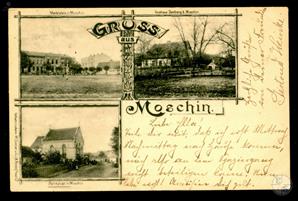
x,y
44,54
61,134
37,143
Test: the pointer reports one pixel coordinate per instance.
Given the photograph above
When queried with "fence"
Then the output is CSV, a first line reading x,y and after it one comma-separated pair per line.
x,y
181,71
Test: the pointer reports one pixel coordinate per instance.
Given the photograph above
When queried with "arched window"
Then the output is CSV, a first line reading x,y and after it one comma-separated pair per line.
x,y
78,148
52,149
64,150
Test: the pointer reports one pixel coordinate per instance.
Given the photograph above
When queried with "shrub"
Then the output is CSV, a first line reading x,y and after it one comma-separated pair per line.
x,y
28,170
27,152
115,165
37,158
93,162
70,164
53,157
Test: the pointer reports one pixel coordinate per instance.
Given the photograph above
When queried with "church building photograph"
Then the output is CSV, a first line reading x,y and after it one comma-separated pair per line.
x,y
70,143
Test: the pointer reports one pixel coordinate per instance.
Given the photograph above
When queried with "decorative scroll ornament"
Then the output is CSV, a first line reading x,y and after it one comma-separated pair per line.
x,y
100,30
127,26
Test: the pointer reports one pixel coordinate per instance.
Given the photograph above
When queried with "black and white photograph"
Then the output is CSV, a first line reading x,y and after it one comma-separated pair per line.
x,y
70,143
194,59
149,99
61,59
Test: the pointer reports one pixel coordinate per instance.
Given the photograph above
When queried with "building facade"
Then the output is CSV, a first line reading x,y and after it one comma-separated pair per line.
x,y
156,62
39,63
68,142
94,59
164,55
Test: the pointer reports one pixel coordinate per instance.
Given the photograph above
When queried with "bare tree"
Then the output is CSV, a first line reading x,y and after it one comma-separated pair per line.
x,y
179,27
199,39
144,43
226,35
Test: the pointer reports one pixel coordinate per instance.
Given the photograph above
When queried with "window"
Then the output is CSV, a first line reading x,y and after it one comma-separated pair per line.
x,y
78,148
64,150
160,63
52,149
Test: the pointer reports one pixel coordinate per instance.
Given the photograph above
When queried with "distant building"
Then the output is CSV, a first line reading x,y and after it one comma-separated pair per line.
x,y
149,62
212,65
94,59
68,141
101,60
39,62
111,156
165,54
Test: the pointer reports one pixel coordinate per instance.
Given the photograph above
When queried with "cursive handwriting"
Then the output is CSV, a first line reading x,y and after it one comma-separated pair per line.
x,y
199,151
277,92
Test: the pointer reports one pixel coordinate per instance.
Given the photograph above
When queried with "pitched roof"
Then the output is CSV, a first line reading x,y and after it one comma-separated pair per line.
x,y
37,142
61,134
44,54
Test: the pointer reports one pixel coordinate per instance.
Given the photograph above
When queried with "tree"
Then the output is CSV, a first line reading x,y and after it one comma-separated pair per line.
x,y
98,68
102,155
25,62
53,157
27,152
115,141
228,40
144,43
156,51
106,68
200,37
75,68
229,61
92,69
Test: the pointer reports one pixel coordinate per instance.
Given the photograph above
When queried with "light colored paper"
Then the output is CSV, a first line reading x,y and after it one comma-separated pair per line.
x,y
234,143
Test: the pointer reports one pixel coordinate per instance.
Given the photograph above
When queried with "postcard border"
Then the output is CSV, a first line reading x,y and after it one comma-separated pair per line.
x,y
236,15
19,177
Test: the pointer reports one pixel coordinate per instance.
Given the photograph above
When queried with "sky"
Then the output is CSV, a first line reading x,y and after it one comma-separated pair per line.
x,y
96,124
70,36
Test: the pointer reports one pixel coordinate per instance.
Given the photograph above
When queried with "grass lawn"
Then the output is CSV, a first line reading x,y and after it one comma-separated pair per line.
x,y
57,86
183,87
46,171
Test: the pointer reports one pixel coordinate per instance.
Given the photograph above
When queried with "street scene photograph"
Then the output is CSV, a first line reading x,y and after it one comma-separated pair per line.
x,y
70,143
61,59
195,58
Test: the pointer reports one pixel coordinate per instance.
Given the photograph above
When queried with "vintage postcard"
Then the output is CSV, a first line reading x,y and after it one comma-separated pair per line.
x,y
109,99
